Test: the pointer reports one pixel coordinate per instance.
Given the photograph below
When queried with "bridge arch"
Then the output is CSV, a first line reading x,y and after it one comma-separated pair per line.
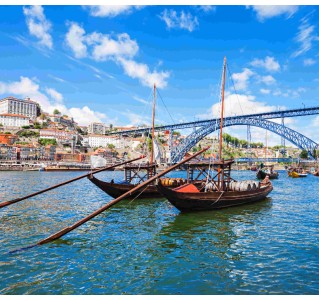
x,y
293,136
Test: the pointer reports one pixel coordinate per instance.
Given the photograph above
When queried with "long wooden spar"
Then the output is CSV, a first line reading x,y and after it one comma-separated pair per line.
x,y
4,204
111,203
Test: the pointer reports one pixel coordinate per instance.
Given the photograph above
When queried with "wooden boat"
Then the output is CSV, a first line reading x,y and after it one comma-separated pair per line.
x,y
136,174
219,190
261,174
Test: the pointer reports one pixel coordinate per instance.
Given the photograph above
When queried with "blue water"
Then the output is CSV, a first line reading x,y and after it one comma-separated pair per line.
x,y
149,247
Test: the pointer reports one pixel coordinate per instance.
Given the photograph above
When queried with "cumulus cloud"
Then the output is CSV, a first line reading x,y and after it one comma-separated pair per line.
x,y
240,104
305,37
269,63
270,11
119,48
38,25
110,10
241,79
182,21
267,79
49,99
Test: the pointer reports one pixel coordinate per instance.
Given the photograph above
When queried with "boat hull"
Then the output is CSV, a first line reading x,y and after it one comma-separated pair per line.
x,y
262,175
116,190
212,200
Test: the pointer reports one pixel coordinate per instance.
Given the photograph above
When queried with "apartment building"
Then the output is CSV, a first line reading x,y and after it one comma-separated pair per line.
x,y
12,105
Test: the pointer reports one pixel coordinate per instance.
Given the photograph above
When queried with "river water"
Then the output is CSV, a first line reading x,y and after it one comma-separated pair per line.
x,y
149,247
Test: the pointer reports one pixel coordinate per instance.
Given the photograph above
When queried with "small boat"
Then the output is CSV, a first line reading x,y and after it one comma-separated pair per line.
x,y
297,172
261,174
219,190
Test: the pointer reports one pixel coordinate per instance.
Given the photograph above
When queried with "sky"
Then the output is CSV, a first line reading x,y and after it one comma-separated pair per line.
x,y
99,63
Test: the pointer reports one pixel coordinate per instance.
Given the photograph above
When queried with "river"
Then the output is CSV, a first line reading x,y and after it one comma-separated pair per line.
x,y
149,247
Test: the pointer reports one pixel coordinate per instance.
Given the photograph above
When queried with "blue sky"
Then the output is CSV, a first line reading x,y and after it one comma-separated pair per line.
x,y
98,63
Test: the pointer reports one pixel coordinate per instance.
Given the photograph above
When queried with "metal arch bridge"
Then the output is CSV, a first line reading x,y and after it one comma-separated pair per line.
x,y
291,135
259,120
269,115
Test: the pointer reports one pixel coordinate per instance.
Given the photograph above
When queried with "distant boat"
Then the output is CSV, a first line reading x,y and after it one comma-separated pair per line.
x,y
261,174
296,173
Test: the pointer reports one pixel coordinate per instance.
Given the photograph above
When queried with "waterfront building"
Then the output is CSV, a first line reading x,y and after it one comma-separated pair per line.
x,y
14,120
12,105
96,140
96,128
8,152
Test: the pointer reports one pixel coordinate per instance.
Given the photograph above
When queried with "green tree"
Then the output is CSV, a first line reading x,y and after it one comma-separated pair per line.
x,y
56,112
111,146
304,154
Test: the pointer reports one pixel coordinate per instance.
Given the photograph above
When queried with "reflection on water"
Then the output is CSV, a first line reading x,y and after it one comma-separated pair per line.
x,y
147,246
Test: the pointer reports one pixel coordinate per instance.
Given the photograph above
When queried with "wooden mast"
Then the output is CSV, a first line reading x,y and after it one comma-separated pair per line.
x,y
221,180
222,112
153,131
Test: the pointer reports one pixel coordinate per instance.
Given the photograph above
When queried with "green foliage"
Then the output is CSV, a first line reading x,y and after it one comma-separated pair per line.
x,y
304,154
25,127
7,132
56,112
235,142
28,133
45,142
111,146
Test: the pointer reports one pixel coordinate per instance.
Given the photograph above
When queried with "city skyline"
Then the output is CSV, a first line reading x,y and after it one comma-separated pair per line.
x,y
99,63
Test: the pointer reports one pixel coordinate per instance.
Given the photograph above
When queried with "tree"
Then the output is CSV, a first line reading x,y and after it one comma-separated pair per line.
x,y
111,146
304,154
56,112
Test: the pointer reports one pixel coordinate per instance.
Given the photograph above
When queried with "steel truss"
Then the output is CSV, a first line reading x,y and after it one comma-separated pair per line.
x,y
293,136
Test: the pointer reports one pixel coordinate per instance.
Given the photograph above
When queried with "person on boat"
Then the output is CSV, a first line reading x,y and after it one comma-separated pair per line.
x,y
271,170
266,180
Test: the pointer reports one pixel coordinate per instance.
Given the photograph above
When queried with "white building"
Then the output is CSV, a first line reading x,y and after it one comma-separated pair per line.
x,y
96,128
14,120
11,105
97,140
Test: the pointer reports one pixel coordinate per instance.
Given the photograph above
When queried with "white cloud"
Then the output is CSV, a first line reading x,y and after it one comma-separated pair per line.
x,y
106,48
142,72
240,104
141,100
85,115
265,91
110,10
119,48
183,21
269,63
54,95
268,79
309,62
38,25
207,8
289,92
269,11
305,37
241,79
75,39
49,99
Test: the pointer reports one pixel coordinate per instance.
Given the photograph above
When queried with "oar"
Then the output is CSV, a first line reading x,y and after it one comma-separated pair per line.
x,y
4,204
111,203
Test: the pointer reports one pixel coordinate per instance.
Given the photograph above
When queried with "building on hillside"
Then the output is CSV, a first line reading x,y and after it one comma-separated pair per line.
x,y
26,107
95,140
7,139
13,120
64,121
59,135
96,128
